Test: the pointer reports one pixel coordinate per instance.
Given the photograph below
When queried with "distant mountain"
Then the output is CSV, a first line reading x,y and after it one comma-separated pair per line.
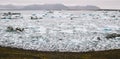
x,y
83,7
9,6
47,7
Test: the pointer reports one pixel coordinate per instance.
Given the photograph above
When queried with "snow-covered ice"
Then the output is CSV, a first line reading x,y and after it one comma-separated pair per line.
x,y
56,31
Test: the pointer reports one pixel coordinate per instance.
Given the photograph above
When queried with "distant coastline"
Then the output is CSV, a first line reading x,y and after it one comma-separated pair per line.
x,y
48,7
66,10
54,7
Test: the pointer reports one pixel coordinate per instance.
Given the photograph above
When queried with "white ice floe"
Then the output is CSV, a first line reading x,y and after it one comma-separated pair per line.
x,y
58,32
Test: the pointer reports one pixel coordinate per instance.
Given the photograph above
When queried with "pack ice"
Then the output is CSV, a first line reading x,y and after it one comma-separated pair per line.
x,y
63,31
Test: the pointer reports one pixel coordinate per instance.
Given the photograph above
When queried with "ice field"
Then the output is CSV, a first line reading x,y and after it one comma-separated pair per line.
x,y
63,31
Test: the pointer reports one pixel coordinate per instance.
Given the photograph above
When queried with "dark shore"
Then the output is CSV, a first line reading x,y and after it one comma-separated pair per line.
x,y
14,53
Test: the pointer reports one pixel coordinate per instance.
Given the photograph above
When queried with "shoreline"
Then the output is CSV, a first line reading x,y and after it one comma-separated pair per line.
x,y
15,53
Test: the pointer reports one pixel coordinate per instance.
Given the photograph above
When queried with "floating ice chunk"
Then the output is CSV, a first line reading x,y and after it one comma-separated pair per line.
x,y
67,31
107,29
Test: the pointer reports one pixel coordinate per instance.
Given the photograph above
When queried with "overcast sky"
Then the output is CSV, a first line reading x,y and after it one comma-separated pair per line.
x,y
114,4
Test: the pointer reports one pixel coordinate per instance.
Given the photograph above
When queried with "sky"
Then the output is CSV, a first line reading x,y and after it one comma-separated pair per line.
x,y
107,4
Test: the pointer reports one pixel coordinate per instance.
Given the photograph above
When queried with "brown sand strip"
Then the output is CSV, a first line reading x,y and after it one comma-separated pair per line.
x,y
14,53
